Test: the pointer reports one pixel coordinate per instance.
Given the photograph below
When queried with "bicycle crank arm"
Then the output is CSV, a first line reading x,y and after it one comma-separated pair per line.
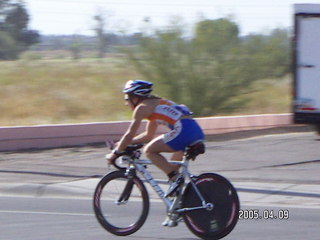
x,y
207,206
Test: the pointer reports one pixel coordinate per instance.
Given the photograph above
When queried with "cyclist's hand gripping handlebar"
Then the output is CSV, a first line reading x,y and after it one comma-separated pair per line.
x,y
130,151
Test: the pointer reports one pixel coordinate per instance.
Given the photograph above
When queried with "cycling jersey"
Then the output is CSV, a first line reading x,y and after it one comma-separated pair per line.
x,y
168,113
184,131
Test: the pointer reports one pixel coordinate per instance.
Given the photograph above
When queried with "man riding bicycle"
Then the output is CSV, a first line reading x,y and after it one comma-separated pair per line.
x,y
184,130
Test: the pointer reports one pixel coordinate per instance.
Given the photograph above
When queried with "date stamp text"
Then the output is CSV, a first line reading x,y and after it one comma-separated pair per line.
x,y
267,214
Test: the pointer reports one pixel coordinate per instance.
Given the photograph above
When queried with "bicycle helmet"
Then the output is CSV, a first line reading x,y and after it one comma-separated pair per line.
x,y
139,88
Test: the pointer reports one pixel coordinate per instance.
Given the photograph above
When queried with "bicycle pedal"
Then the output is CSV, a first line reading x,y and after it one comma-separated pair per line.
x,y
172,224
169,223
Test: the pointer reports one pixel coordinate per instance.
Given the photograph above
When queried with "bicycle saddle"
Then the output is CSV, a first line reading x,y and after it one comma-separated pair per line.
x,y
195,149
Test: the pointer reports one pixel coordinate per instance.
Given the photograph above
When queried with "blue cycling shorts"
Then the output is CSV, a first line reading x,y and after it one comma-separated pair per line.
x,y
185,132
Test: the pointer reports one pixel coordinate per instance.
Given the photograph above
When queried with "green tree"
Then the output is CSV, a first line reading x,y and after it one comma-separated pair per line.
x,y
75,47
7,46
209,71
14,24
216,37
268,54
101,34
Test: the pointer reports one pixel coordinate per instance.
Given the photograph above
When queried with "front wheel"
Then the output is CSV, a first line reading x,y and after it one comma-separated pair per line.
x,y
121,205
216,222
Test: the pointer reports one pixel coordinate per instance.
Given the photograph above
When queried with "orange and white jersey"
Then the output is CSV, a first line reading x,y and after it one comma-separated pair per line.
x,y
168,113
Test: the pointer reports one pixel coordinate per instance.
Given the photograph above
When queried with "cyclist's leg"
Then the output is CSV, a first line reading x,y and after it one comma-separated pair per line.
x,y
153,150
177,156
184,133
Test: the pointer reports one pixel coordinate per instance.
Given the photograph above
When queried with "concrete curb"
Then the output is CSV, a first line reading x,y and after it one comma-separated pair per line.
x,y
53,136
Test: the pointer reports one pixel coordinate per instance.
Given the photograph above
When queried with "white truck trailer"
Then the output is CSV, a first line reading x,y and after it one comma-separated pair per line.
x,y
306,61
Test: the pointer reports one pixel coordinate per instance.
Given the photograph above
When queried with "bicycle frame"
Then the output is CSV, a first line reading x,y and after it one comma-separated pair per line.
x,y
172,205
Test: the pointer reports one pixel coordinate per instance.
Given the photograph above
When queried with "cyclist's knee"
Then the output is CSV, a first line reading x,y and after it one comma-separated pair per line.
x,y
149,151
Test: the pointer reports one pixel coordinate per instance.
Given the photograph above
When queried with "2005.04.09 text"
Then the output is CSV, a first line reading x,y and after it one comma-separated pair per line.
x,y
256,214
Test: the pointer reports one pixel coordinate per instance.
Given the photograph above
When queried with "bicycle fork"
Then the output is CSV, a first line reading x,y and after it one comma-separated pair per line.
x,y
124,197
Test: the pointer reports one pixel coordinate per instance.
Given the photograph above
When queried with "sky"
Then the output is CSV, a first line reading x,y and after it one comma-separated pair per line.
x,y
129,16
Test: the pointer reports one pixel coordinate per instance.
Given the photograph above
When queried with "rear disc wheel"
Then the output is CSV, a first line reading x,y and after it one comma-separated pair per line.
x,y
215,222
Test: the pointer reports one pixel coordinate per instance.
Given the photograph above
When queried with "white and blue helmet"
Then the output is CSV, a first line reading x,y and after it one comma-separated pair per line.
x,y
139,88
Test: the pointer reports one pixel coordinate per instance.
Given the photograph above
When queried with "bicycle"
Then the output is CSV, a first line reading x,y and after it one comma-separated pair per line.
x,y
208,203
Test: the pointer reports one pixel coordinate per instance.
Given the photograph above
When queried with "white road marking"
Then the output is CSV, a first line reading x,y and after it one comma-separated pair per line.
x,y
46,213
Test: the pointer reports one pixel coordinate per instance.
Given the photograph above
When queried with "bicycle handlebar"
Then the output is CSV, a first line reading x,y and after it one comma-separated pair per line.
x,y
129,151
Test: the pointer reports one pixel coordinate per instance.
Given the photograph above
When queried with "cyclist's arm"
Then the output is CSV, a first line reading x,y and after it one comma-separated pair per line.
x,y
148,134
138,115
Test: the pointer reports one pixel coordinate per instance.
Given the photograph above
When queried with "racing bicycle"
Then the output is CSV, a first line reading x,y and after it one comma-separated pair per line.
x,y
208,203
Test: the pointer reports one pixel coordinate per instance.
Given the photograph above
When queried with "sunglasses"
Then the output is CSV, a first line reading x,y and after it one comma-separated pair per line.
x,y
126,98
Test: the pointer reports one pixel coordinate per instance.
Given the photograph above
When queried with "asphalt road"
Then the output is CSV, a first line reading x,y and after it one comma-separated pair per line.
x,y
66,219
47,194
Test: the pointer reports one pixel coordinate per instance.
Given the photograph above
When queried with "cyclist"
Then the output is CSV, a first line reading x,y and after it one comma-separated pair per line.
x,y
183,129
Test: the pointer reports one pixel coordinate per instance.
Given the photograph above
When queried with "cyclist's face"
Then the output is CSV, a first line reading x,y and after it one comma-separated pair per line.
x,y
130,101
